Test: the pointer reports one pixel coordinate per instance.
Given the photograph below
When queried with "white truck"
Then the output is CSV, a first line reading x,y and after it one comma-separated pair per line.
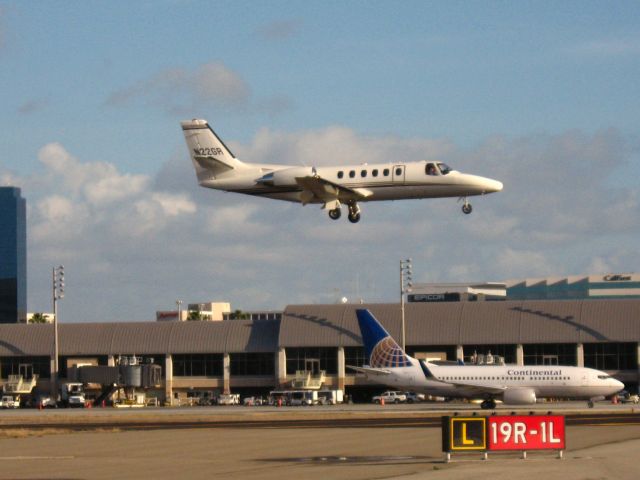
x,y
72,395
228,399
390,396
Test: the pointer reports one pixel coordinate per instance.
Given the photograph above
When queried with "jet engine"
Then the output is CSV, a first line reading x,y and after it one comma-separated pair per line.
x,y
519,396
286,176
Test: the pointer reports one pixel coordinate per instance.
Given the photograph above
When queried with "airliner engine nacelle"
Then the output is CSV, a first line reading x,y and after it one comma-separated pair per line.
x,y
286,176
519,396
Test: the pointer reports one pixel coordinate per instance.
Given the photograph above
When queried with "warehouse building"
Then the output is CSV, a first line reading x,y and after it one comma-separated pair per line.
x,y
316,343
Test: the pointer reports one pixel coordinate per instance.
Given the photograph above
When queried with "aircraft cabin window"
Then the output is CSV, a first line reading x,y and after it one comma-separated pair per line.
x,y
385,172
352,173
431,169
363,173
444,168
340,174
374,172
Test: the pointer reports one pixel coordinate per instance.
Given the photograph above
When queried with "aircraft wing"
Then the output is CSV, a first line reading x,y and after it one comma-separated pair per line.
x,y
317,188
478,389
370,371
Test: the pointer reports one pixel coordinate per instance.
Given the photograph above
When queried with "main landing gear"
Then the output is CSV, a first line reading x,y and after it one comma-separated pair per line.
x,y
466,207
354,212
488,404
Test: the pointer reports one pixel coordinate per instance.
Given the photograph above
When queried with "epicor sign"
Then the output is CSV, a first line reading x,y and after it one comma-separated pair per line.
x,y
526,432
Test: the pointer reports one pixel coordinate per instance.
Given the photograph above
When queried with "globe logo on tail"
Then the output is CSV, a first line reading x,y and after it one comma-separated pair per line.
x,y
387,354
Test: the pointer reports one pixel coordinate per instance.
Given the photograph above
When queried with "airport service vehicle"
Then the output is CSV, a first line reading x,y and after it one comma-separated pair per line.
x,y
413,397
626,397
303,397
217,168
253,401
330,397
228,399
44,401
513,384
8,401
72,395
390,397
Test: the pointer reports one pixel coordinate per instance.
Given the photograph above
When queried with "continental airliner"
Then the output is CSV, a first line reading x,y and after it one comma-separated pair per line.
x,y
513,384
216,167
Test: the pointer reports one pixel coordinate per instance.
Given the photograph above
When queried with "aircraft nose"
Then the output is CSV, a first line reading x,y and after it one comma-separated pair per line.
x,y
497,186
618,384
491,185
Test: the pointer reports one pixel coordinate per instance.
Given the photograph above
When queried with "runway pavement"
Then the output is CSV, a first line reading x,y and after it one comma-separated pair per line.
x,y
294,450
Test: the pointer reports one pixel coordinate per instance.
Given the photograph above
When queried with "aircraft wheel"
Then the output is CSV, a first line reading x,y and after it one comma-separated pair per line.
x,y
335,213
467,208
590,403
354,217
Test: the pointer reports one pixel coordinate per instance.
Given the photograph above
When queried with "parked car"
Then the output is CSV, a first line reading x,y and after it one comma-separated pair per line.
x,y
9,402
390,396
413,397
627,397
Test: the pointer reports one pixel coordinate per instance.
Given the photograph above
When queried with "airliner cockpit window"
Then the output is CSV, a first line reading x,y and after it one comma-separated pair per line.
x,y
444,168
431,169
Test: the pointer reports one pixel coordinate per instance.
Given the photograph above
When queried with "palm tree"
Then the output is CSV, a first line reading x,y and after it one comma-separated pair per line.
x,y
194,315
239,315
38,318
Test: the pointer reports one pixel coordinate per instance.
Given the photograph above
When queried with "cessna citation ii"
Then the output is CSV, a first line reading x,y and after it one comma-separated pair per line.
x,y
513,384
217,168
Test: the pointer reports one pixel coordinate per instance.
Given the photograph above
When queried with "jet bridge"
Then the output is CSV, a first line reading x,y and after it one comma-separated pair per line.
x,y
127,376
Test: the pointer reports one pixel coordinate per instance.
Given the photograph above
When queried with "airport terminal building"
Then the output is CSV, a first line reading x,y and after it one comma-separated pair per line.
x,y
318,342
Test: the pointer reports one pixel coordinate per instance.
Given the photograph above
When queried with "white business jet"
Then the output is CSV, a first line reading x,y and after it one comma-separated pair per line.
x,y
513,384
217,168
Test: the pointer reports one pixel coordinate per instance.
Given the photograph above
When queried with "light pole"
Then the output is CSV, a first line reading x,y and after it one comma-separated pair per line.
x,y
179,304
58,294
405,287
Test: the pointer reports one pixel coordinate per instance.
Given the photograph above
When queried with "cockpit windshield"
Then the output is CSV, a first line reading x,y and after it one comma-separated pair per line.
x,y
444,168
603,377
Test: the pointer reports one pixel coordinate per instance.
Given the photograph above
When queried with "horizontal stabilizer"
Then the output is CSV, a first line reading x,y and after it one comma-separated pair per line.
x,y
370,371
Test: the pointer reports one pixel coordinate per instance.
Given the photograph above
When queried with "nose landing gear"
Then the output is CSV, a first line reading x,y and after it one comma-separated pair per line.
x,y
354,212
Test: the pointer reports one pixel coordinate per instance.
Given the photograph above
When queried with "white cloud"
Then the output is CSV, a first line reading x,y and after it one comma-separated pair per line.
x,y
180,90
133,244
336,145
98,182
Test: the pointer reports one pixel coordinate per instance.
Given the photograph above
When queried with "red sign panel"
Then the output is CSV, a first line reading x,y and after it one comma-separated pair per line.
x,y
534,432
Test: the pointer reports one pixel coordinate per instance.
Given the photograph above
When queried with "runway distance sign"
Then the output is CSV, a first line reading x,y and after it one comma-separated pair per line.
x,y
526,432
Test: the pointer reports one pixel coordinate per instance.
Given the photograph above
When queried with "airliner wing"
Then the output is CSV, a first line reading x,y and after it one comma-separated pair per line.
x,y
317,188
478,389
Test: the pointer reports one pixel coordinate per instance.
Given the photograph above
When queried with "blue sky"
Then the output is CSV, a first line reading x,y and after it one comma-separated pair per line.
x,y
539,95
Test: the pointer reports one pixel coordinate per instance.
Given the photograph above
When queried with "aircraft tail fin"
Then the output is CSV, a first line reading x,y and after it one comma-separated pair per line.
x,y
210,156
381,349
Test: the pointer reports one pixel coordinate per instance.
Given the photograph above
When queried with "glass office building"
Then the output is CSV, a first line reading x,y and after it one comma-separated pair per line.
x,y
13,256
